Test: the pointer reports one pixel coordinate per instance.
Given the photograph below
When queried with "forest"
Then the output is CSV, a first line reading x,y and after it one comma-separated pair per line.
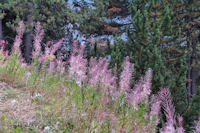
x,y
99,66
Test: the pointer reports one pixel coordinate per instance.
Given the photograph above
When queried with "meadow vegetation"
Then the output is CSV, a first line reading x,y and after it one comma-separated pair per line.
x,y
51,95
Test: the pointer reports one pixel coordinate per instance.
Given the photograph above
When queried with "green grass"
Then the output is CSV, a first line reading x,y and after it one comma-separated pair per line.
x,y
61,105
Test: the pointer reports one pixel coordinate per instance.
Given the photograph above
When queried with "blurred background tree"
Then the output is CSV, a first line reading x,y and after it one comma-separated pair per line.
x,y
163,35
53,15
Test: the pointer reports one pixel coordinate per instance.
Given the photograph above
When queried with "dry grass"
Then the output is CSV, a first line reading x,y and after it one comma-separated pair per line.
x,y
15,104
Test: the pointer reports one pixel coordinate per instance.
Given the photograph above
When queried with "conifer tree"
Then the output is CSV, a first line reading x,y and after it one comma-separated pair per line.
x,y
154,41
53,15
100,17
189,12
2,14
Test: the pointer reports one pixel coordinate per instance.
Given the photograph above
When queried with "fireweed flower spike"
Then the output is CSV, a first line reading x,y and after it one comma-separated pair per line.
x,y
39,34
18,38
197,126
108,78
49,54
126,75
141,90
147,84
169,110
101,76
56,46
78,66
2,44
94,78
179,127
155,109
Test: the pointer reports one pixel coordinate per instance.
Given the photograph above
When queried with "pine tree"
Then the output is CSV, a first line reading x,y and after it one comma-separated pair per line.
x,y
53,15
155,41
2,14
102,18
1,26
119,51
189,12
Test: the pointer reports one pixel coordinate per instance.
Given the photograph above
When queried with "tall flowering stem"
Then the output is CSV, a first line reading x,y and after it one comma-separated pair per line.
x,y
39,34
49,54
100,75
169,110
197,126
179,127
56,46
155,109
147,84
107,77
78,66
141,90
94,72
2,44
126,75
18,38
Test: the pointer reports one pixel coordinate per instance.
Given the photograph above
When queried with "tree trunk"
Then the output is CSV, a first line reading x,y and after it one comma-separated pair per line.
x,y
192,66
28,41
189,73
1,30
29,37
1,26
189,81
194,63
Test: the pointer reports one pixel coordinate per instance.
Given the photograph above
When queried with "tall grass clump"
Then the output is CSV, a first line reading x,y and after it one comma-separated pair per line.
x,y
86,98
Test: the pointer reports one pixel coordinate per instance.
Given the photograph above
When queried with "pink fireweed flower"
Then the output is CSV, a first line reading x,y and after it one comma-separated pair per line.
x,y
141,90
94,71
61,66
108,79
169,110
49,43
51,67
6,53
179,128
93,78
100,75
18,38
126,75
39,34
197,126
78,67
21,59
102,116
134,96
169,128
2,44
56,46
105,99
49,54
147,84
47,51
42,58
155,109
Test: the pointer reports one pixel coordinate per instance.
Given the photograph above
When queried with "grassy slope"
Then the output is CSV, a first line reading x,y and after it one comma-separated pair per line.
x,y
39,102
